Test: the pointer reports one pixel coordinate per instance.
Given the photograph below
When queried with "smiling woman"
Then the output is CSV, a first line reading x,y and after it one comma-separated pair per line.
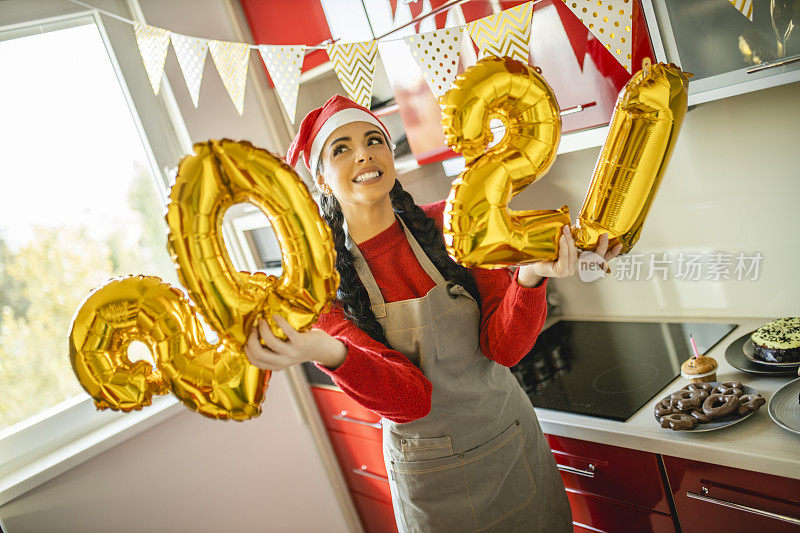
x,y
424,342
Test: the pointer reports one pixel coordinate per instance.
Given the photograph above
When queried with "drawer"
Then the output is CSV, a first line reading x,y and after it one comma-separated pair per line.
x,y
732,499
590,513
342,413
376,516
628,476
362,463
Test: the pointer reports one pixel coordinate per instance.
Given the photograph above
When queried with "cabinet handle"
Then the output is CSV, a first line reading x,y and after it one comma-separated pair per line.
x,y
589,472
740,507
343,417
775,63
363,472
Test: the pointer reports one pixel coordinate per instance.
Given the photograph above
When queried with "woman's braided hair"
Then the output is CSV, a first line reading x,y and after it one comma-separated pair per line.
x,y
352,293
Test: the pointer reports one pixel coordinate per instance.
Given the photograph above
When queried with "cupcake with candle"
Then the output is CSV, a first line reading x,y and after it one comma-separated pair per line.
x,y
699,368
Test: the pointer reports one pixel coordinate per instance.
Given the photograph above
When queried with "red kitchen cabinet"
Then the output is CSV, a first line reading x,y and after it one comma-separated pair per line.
x,y
611,472
377,516
362,464
341,413
590,513
728,499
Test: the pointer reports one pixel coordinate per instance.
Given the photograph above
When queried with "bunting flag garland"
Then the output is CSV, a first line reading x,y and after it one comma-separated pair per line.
x,y
437,54
231,61
284,64
153,43
355,64
611,22
745,7
505,33
191,53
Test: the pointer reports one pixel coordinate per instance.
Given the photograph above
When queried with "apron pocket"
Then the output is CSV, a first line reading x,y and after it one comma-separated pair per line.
x,y
499,478
433,495
421,449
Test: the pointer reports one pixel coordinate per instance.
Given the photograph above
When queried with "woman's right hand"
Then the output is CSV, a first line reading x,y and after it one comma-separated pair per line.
x,y
276,354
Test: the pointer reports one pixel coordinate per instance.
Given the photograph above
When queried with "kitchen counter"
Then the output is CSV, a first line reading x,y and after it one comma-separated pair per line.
x,y
756,444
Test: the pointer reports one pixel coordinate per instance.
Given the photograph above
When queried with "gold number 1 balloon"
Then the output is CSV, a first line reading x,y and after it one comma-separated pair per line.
x,y
644,127
479,229
216,380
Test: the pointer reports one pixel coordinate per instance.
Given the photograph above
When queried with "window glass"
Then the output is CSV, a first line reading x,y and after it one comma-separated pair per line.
x,y
78,205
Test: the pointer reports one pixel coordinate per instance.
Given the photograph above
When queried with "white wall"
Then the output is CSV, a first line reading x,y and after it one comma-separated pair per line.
x,y
190,473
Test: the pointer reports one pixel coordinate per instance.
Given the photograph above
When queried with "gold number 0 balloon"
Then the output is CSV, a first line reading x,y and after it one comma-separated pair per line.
x,y
215,380
479,229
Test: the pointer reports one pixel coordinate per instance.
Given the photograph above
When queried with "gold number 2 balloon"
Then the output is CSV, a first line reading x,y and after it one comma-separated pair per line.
x,y
216,380
479,229
647,118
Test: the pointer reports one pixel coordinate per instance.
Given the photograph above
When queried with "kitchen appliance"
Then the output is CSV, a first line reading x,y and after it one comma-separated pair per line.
x,y
609,369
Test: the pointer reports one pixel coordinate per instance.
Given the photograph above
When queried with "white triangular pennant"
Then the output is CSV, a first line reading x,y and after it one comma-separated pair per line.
x,y
437,54
191,53
231,61
153,43
284,64
612,25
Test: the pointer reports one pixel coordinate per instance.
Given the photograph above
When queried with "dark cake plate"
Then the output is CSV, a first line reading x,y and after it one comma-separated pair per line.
x,y
735,354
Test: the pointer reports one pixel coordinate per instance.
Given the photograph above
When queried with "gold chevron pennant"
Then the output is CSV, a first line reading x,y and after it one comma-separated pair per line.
x,y
354,64
611,22
153,43
745,7
505,33
284,64
231,61
437,54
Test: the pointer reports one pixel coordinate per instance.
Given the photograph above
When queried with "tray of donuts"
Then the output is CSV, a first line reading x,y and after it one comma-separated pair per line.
x,y
707,406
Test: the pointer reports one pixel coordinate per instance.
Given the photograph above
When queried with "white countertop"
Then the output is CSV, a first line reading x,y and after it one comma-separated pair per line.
x,y
756,444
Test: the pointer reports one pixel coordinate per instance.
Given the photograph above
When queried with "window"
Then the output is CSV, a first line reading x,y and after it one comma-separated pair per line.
x,y
81,201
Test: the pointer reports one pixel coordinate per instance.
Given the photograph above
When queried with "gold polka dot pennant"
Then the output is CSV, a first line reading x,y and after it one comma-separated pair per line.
x,y
437,54
504,34
284,64
355,64
611,22
231,61
153,43
191,53
745,7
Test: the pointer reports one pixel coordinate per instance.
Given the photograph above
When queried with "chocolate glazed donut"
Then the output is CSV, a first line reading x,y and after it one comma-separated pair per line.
x,y
719,405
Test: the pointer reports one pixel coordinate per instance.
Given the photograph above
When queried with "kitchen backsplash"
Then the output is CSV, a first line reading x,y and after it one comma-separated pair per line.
x,y
728,205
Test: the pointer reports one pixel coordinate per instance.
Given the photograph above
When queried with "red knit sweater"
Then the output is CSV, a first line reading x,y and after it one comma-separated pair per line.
x,y
384,380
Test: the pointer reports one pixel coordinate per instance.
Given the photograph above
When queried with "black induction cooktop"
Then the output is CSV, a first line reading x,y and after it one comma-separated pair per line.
x,y
609,369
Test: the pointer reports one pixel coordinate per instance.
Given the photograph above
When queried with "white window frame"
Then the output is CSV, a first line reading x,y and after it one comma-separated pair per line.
x,y
57,439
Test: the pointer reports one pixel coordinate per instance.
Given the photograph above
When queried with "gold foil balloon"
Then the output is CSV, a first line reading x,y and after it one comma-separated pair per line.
x,y
479,229
223,173
647,117
216,380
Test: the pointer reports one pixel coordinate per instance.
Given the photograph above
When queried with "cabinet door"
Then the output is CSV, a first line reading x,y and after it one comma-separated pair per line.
x,y
376,516
727,53
731,499
362,463
590,513
628,476
341,413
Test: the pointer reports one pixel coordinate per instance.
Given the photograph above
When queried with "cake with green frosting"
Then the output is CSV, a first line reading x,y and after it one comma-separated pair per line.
x,y
778,341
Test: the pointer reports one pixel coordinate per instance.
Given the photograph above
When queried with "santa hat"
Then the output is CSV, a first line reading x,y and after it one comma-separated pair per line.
x,y
319,123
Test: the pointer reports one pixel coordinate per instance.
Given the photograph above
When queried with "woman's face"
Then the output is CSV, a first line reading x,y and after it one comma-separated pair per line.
x,y
357,164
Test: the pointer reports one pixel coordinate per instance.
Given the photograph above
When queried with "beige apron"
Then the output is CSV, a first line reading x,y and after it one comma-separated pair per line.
x,y
478,461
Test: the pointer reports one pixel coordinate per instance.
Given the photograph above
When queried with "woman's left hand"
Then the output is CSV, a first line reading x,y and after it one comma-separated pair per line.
x,y
567,262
